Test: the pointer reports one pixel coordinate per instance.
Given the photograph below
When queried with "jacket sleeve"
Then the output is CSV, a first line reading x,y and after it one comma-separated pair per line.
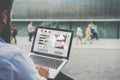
x,y
24,68
20,67
6,71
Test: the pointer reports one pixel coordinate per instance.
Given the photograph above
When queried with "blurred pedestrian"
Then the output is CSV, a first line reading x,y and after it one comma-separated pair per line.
x,y
14,33
79,35
92,29
30,29
88,34
95,32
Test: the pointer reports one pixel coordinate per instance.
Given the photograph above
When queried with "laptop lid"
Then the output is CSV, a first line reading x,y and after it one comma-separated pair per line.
x,y
52,42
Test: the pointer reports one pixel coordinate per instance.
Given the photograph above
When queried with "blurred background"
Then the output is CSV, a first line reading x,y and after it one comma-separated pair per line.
x,y
67,9
97,61
69,14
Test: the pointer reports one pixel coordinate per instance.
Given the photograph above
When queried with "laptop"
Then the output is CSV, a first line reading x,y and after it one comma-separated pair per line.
x,y
51,48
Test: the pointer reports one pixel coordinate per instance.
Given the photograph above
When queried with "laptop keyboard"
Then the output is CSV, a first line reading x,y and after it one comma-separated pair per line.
x,y
48,62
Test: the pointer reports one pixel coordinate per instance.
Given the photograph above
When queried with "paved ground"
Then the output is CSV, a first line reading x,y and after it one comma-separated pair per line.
x,y
97,61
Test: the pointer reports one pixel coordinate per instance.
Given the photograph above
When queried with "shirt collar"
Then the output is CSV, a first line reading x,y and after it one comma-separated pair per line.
x,y
1,40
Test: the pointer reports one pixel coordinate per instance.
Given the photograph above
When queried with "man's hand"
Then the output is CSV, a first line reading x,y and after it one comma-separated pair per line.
x,y
43,71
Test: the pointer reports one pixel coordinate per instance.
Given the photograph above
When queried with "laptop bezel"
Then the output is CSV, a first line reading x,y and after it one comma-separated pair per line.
x,y
50,55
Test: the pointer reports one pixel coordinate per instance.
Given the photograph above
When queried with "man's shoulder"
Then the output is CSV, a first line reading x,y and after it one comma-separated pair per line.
x,y
9,51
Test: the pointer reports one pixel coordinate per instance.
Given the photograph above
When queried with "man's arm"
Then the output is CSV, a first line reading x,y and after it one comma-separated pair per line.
x,y
26,67
6,71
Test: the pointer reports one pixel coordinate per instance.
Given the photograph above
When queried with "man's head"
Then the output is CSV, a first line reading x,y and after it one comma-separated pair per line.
x,y
5,19
13,26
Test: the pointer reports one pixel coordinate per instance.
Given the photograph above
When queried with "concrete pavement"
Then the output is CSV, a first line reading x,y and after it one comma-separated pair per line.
x,y
99,44
97,61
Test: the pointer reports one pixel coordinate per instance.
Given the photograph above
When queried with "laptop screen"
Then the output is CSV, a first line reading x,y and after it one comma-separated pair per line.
x,y
52,41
